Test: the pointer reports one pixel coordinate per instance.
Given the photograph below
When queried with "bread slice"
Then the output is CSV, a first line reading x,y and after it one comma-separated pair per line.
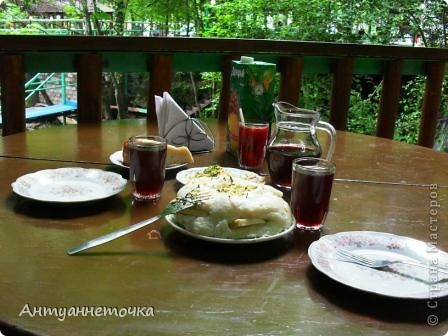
x,y
178,155
125,151
174,155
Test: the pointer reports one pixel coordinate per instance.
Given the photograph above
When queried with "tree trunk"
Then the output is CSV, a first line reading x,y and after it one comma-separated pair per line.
x,y
167,18
444,37
120,99
117,78
120,11
198,20
96,23
46,97
187,5
195,92
108,97
85,10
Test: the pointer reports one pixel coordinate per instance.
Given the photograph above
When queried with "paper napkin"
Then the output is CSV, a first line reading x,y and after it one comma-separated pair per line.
x,y
178,128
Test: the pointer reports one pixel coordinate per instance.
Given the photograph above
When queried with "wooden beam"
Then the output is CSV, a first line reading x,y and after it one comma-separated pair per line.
x,y
431,103
291,70
89,68
170,45
160,78
340,93
12,80
390,99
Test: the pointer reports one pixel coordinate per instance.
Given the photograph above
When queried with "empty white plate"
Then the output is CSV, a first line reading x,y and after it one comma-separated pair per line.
x,y
69,185
397,280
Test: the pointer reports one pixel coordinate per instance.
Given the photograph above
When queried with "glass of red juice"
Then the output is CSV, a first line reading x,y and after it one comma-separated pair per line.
x,y
280,158
252,140
312,181
147,166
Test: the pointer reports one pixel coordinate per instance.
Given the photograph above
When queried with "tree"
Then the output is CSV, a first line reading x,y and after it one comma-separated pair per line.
x,y
10,10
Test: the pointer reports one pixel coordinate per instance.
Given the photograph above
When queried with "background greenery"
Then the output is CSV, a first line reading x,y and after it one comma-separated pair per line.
x,y
419,22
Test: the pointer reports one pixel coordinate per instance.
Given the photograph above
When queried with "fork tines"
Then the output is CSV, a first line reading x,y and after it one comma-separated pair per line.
x,y
346,254
195,197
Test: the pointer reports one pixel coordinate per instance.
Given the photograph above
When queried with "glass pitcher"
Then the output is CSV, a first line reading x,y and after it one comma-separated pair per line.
x,y
293,136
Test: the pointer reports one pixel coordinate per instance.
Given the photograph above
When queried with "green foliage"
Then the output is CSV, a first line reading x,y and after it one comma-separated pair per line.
x,y
182,91
441,142
72,12
10,10
408,121
316,92
363,111
210,85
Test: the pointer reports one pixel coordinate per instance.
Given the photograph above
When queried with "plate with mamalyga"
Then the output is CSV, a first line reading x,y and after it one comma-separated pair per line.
x,y
233,241
236,211
217,172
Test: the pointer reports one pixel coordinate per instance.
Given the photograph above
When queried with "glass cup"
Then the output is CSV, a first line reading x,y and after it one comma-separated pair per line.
x,y
252,140
147,156
312,180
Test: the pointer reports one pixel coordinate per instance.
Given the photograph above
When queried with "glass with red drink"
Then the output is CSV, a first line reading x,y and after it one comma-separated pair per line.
x,y
252,142
280,157
312,180
147,166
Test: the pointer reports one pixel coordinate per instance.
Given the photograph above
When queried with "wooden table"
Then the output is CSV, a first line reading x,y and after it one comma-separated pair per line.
x,y
199,288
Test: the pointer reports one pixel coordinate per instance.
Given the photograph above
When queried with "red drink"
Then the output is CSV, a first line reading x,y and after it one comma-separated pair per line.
x,y
147,166
312,181
280,159
252,145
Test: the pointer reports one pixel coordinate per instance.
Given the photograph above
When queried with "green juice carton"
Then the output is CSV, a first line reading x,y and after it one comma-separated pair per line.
x,y
251,94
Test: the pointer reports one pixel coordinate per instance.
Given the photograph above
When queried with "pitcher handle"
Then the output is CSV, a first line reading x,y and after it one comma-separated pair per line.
x,y
327,127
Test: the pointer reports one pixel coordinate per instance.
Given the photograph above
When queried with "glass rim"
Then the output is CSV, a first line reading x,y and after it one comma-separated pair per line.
x,y
320,167
294,111
254,124
159,141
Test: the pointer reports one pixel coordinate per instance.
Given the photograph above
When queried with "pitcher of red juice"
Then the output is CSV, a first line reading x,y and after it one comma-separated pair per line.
x,y
294,135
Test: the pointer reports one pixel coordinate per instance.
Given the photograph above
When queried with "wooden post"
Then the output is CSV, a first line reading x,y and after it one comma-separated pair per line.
x,y
89,68
431,103
340,93
291,70
160,77
224,98
390,99
12,80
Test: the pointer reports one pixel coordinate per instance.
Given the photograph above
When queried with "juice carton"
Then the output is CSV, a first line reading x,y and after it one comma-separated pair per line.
x,y
251,94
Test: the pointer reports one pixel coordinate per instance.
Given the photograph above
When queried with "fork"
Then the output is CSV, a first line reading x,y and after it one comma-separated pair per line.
x,y
348,256
181,203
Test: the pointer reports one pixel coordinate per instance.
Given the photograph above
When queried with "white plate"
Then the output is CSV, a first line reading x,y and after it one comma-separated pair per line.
x,y
261,239
398,280
69,185
187,175
117,159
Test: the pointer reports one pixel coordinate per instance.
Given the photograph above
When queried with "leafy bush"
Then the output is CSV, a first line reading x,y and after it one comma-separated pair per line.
x,y
408,121
316,93
363,111
211,83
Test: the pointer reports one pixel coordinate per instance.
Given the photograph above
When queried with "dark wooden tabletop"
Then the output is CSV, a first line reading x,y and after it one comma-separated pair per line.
x,y
195,287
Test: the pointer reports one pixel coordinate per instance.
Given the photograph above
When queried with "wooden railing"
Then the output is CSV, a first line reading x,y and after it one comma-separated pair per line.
x,y
161,57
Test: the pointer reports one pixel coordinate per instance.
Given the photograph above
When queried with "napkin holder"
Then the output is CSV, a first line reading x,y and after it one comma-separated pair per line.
x,y
179,129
